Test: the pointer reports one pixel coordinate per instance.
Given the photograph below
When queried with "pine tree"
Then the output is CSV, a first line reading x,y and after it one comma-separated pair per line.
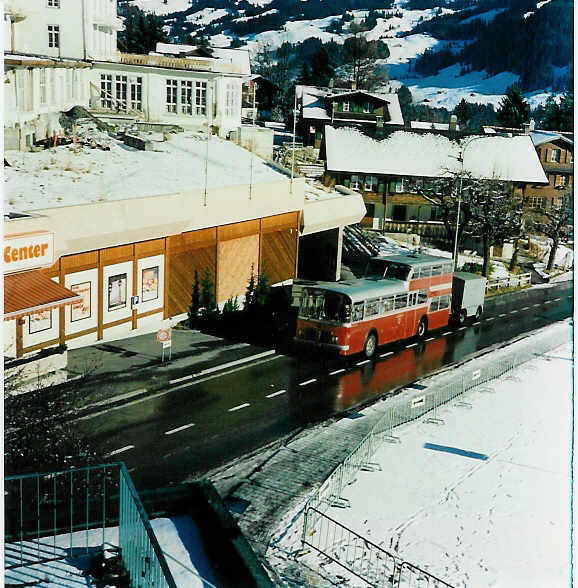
x,y
250,292
464,113
142,31
513,109
207,300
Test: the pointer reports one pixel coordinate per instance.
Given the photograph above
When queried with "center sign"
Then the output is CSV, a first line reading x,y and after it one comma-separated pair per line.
x,y
27,251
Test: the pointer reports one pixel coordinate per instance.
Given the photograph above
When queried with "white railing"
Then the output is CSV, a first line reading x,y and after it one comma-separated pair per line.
x,y
509,282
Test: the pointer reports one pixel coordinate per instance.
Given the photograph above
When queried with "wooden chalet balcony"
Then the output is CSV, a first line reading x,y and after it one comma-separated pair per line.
x,y
356,116
191,64
558,168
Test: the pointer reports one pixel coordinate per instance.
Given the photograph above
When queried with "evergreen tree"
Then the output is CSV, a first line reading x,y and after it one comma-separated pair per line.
x,y
250,292
207,299
142,31
513,109
195,302
405,102
464,113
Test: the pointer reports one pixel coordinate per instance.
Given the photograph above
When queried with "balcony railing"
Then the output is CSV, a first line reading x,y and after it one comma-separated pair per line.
x,y
191,64
360,116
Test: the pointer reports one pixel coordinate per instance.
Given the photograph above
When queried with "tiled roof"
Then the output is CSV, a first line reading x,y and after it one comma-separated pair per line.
x,y
29,292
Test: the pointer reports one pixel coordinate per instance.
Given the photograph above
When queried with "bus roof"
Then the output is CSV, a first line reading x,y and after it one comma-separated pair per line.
x,y
414,259
361,288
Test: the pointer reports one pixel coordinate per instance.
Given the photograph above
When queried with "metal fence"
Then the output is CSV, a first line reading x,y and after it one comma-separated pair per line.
x,y
476,374
49,517
509,282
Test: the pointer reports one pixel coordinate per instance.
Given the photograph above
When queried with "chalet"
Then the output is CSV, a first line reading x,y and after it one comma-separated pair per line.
x,y
367,111
257,95
388,171
556,154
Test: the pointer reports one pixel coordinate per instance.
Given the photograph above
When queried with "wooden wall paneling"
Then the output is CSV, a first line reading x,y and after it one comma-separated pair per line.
x,y
179,284
99,297
279,253
134,284
236,257
79,262
191,240
128,319
19,343
82,333
238,230
61,311
280,222
168,270
149,248
118,254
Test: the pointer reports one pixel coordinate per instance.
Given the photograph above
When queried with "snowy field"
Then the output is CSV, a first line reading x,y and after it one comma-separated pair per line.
x,y
484,499
178,538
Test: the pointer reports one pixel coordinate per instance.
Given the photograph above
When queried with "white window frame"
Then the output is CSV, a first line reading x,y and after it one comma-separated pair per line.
x,y
186,96
171,97
561,181
370,184
54,36
135,93
42,86
106,91
556,156
201,98
536,201
53,3
346,106
355,184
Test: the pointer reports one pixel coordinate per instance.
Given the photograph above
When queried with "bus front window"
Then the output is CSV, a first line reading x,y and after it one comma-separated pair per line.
x,y
336,307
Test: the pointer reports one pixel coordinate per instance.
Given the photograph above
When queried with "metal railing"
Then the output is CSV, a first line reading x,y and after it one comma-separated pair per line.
x,y
405,408
509,282
49,516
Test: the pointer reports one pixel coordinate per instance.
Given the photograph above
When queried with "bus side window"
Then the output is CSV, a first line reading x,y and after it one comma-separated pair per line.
x,y
425,271
421,297
372,307
448,268
433,305
436,270
445,301
358,311
400,301
386,304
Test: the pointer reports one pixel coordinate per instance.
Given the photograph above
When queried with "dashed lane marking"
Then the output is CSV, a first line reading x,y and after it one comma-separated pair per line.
x,y
308,382
491,318
362,362
239,407
121,450
175,381
337,371
556,299
273,394
412,345
462,328
503,314
178,429
430,339
386,354
525,308
548,302
447,333
513,311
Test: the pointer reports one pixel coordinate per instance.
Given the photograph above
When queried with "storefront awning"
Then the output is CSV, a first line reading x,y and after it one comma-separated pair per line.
x,y
29,292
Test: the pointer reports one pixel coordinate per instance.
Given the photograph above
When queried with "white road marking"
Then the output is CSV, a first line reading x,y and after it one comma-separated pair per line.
x,y
447,333
536,305
412,345
337,371
241,361
179,429
189,377
503,314
513,311
308,382
120,450
430,339
525,308
548,302
556,299
276,393
492,318
239,407
362,362
386,354
462,328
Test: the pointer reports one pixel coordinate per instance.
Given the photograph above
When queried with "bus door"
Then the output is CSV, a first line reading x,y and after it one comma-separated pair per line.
x,y
400,323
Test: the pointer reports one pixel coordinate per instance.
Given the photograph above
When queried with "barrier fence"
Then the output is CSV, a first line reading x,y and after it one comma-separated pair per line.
x,y
51,517
509,282
476,374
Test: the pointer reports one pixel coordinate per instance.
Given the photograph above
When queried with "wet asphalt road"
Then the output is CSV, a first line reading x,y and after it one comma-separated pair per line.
x,y
191,428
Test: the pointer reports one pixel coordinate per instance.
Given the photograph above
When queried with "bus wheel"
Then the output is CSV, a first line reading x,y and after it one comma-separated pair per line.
x,y
370,345
421,328
478,313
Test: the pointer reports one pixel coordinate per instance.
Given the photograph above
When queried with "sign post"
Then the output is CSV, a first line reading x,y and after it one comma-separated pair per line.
x,y
164,337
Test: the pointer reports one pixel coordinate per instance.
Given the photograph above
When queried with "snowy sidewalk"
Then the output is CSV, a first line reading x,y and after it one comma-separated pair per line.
x,y
483,500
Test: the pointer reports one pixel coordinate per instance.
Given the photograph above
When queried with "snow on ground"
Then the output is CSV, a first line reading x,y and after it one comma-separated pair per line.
x,y
501,521
485,17
161,7
72,174
178,538
207,15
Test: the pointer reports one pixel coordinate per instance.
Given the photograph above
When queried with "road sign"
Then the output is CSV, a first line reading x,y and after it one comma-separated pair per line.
x,y
163,335
417,401
166,344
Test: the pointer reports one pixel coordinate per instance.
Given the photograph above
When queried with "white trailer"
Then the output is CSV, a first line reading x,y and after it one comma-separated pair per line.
x,y
468,293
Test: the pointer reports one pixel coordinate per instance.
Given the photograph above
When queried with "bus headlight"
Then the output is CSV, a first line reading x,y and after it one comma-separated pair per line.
x,y
333,338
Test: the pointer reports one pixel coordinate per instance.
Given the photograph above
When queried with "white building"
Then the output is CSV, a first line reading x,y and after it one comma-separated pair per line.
x,y
62,53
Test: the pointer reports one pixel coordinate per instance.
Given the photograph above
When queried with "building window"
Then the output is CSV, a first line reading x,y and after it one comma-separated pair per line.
x,y
368,107
370,184
536,202
345,106
106,91
42,83
355,182
172,95
53,3
120,85
201,98
186,97
555,155
560,181
136,94
54,36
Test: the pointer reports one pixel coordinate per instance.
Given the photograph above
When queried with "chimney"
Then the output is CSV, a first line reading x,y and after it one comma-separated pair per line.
x,y
453,123
529,126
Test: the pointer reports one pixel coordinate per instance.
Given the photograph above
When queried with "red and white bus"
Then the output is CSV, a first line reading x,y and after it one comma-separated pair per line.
x,y
399,297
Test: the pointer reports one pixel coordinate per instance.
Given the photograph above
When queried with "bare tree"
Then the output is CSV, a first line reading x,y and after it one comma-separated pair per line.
x,y
554,222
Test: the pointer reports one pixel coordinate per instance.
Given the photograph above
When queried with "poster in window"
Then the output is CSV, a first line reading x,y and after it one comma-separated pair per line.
x,y
117,292
40,321
150,284
80,309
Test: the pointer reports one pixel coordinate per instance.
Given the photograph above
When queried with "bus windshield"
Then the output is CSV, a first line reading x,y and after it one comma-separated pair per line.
x,y
325,305
380,268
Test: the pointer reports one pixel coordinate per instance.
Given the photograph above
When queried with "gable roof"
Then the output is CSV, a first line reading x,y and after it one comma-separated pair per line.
x,y
541,137
429,155
355,93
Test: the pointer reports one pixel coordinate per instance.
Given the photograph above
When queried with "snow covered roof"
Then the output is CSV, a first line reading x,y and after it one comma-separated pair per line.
x,y
418,124
238,57
541,137
69,175
429,155
313,101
